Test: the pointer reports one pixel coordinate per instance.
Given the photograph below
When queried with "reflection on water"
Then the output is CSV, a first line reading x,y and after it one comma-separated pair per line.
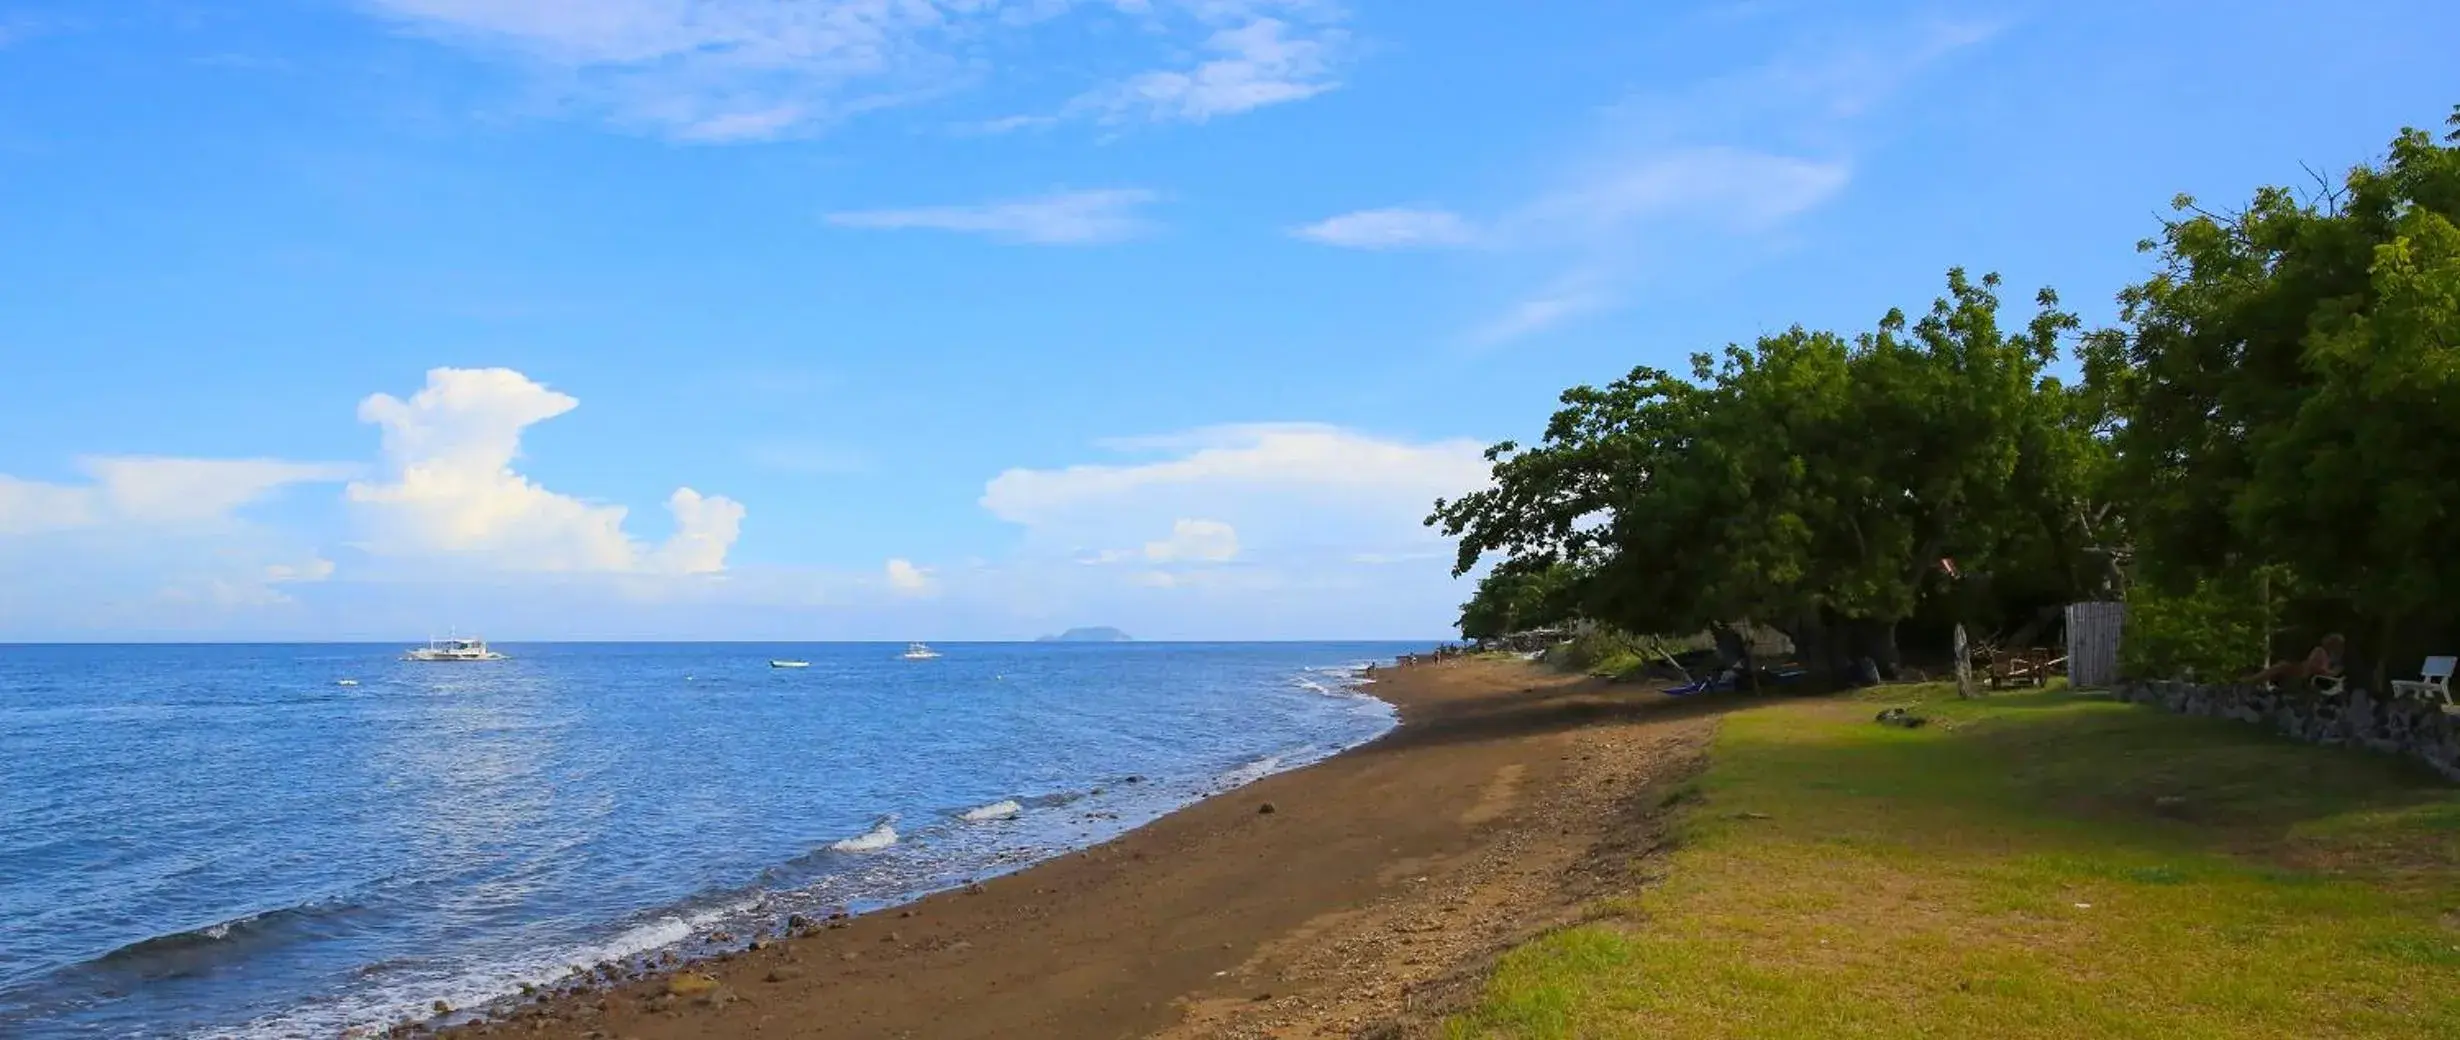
x,y
224,840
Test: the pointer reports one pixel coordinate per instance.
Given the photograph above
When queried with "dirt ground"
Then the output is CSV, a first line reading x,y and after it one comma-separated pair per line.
x,y
1363,896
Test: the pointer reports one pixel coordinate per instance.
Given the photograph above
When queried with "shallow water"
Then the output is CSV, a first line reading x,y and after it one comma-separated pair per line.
x,y
227,841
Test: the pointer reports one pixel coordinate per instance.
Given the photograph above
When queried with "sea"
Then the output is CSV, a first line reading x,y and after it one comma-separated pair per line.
x,y
303,840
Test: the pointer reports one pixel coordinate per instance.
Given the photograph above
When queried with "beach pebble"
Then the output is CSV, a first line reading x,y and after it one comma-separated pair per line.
x,y
691,984
797,922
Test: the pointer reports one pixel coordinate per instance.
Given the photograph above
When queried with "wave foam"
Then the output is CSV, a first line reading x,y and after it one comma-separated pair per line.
x,y
1001,810
880,836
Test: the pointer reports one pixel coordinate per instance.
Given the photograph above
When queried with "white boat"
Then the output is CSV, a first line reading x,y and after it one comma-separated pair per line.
x,y
789,664
919,652
453,650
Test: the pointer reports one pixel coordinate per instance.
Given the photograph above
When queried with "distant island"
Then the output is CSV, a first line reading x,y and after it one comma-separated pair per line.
x,y
1087,635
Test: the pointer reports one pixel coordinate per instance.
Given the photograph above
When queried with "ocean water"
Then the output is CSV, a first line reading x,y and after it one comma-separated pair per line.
x,y
211,841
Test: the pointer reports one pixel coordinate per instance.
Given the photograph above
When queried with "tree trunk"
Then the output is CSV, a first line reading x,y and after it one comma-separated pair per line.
x,y
1964,665
1750,660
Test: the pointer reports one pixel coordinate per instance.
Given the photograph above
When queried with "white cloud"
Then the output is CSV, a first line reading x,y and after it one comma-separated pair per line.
x,y
1544,311
1064,218
259,586
705,528
909,580
451,489
1286,501
1264,61
738,70
1198,541
314,569
149,491
167,490
1283,455
34,507
1733,187
1673,179
1397,228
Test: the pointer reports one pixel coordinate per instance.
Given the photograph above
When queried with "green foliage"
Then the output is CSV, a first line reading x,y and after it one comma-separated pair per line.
x,y
1807,476
2283,390
1520,595
2215,630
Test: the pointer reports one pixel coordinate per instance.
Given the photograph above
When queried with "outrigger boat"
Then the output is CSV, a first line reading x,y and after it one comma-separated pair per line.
x,y
453,650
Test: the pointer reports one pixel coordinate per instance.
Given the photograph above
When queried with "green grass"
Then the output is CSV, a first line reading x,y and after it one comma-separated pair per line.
x,y
2031,865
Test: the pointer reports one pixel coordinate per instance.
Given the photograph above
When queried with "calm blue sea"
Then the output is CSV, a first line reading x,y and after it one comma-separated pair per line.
x,y
230,841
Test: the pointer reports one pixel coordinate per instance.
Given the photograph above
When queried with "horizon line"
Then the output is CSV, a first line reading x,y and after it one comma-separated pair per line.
x,y
701,642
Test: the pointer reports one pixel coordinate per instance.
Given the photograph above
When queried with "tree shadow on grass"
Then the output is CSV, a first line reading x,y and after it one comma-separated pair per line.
x,y
2133,773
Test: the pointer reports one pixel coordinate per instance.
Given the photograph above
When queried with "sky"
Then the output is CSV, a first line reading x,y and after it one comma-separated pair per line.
x,y
981,319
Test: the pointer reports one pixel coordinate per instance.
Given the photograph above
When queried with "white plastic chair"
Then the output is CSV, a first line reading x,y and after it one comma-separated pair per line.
x,y
2433,682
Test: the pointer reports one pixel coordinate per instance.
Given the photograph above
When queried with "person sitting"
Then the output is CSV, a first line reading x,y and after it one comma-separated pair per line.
x,y
2324,662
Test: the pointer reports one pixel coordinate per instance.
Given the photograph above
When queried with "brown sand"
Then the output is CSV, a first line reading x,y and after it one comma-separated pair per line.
x,y
1369,900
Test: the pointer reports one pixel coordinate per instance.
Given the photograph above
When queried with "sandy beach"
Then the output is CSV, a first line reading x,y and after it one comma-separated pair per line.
x,y
1361,896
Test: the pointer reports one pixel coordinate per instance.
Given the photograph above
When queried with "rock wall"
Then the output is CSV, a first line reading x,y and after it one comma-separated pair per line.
x,y
2355,718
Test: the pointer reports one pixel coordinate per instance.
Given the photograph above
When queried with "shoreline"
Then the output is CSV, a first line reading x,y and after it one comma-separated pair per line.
x,y
1141,934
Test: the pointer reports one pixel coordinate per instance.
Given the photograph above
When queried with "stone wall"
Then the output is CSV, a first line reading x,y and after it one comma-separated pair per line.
x,y
2417,729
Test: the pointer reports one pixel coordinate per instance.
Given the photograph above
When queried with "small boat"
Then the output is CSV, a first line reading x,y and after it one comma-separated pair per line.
x,y
919,652
789,664
453,650
347,682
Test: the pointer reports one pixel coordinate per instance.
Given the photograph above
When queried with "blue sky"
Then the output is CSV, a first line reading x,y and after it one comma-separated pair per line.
x,y
889,319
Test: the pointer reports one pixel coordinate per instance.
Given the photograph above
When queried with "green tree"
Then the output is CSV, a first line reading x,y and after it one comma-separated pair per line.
x,y
1519,595
1808,481
2284,388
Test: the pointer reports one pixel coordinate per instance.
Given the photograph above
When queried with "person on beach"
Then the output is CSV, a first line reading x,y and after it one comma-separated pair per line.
x,y
2322,662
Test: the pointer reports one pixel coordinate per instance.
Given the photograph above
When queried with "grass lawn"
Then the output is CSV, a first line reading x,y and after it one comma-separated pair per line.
x,y
2030,865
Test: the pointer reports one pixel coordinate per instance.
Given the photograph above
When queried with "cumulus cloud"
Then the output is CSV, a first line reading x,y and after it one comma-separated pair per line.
x,y
909,580
450,488
1396,228
1197,541
152,491
737,70
1063,218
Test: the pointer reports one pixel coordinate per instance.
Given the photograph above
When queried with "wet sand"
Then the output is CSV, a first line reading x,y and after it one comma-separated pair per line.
x,y
1365,895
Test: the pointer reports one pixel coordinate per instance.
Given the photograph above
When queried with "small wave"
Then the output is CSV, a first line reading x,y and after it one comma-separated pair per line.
x,y
196,949
881,835
1000,810
1256,770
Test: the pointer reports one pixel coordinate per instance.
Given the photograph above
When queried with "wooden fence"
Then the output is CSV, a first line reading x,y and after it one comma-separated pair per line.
x,y
2093,631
